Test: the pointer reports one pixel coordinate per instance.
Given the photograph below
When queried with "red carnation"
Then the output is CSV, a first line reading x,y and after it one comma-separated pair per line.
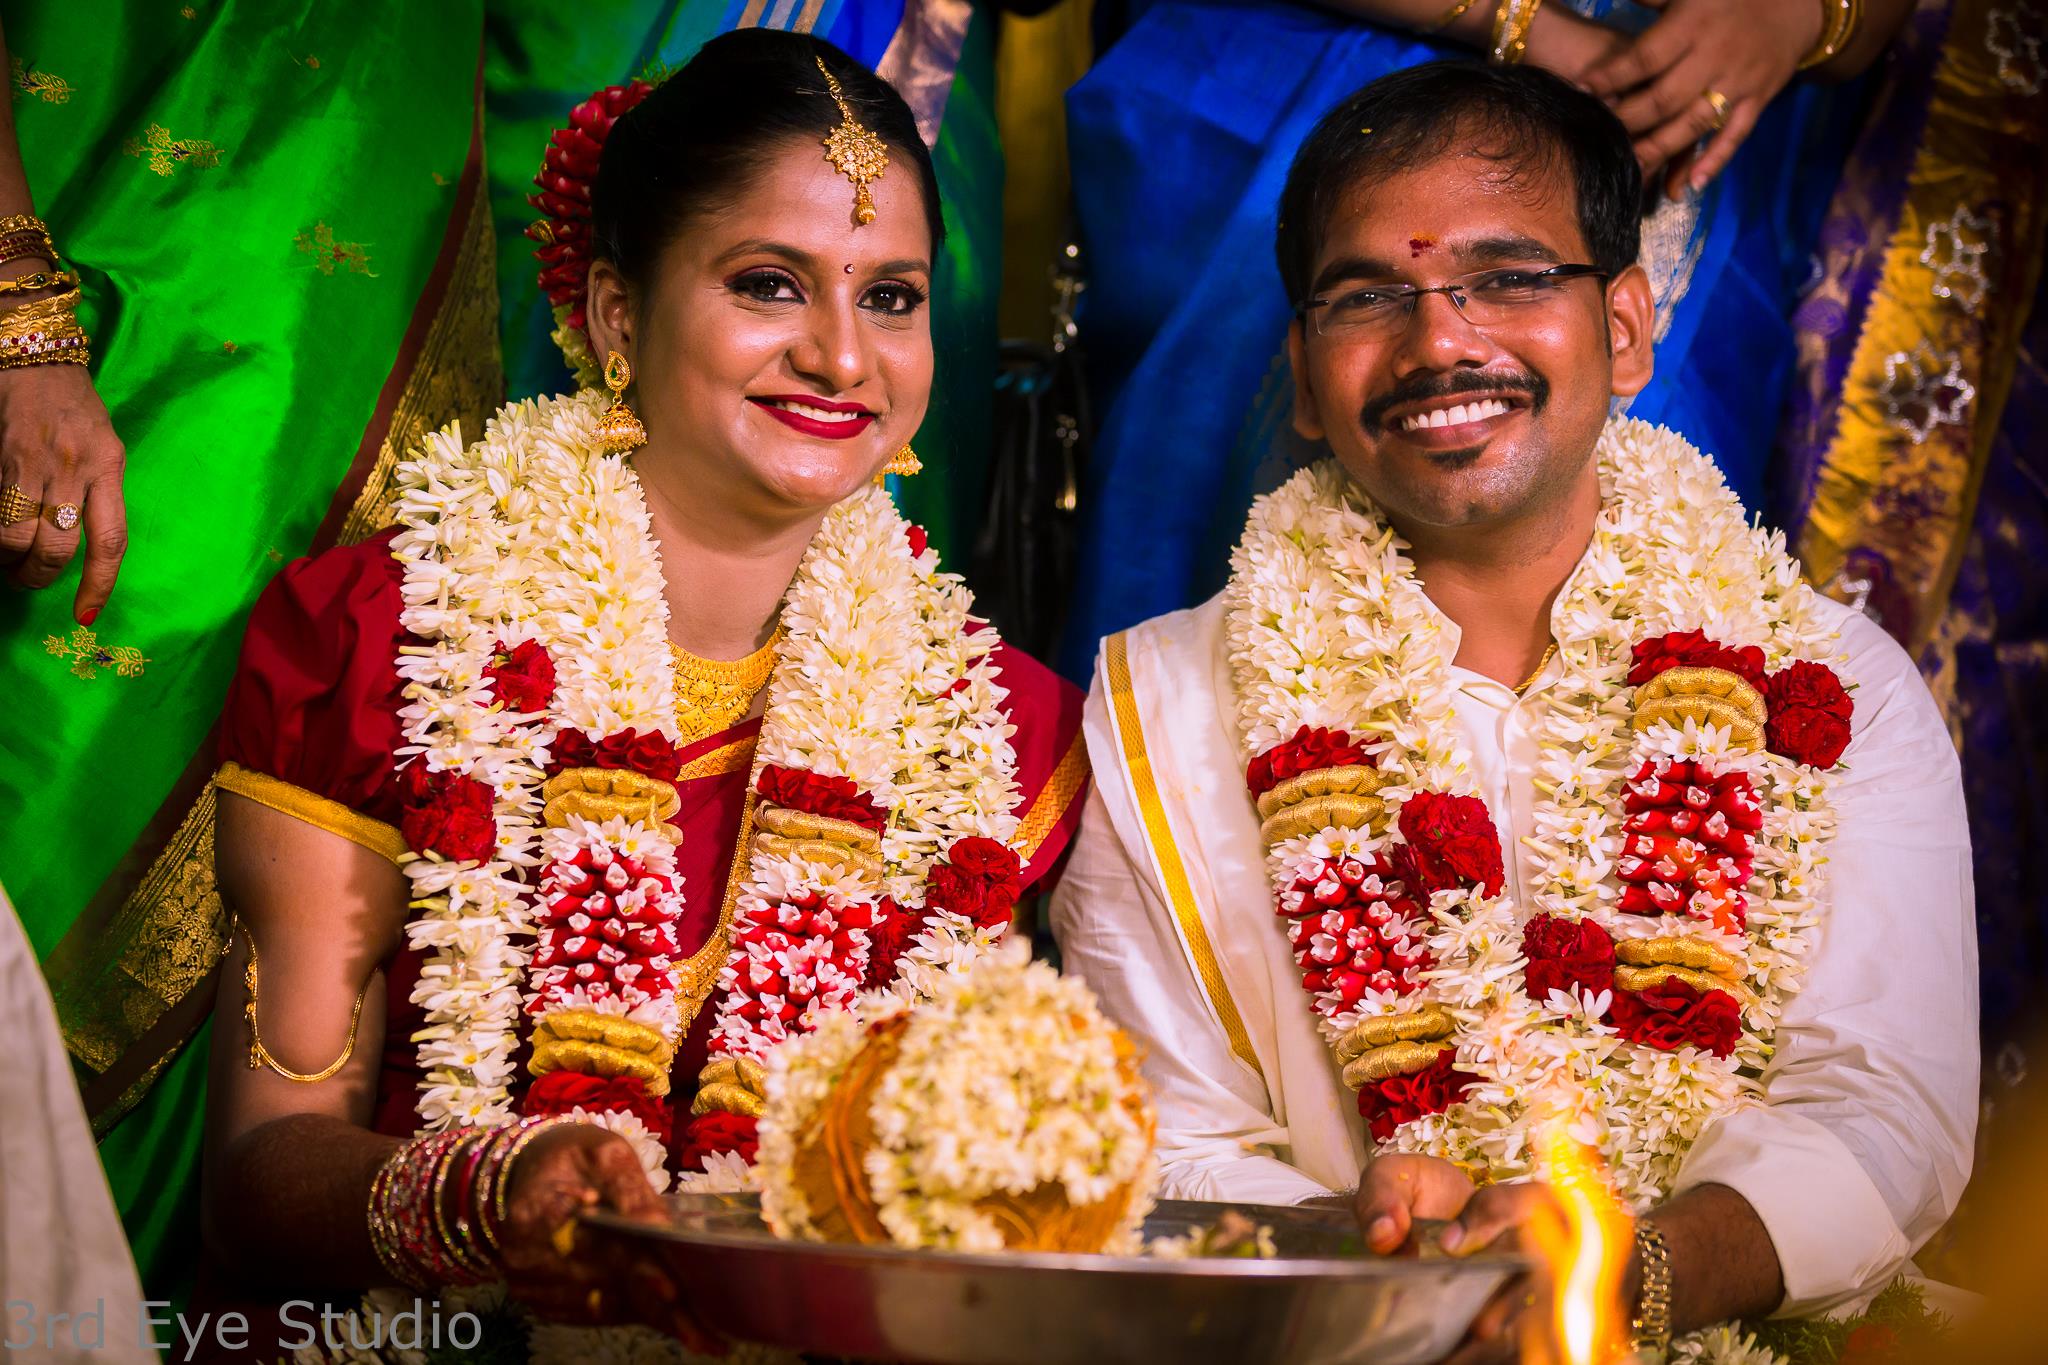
x,y
831,798
717,1131
980,879
1674,1014
1692,649
1810,712
1451,844
888,939
1564,954
1309,751
1388,1104
1871,1344
917,538
523,677
452,817
559,1092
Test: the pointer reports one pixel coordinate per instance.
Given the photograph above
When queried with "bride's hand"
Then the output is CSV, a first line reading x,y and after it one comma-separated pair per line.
x,y
1745,51
570,1273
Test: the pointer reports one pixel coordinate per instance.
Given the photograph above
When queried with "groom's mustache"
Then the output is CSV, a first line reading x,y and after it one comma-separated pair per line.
x,y
1523,384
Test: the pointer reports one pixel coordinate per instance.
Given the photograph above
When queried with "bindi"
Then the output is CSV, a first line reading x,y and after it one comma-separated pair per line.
x,y
849,268
1417,246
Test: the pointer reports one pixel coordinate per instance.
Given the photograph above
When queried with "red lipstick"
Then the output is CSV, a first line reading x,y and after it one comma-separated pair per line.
x,y
857,420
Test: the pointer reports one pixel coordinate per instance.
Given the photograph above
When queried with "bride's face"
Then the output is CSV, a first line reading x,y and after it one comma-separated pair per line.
x,y
782,353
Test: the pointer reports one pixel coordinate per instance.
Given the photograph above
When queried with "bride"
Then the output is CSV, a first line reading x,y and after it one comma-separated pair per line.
x,y
649,735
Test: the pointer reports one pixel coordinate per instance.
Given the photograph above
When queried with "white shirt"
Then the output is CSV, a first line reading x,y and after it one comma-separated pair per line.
x,y
1863,1142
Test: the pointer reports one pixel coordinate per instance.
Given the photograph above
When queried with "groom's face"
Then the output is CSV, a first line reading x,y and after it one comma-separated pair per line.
x,y
1464,418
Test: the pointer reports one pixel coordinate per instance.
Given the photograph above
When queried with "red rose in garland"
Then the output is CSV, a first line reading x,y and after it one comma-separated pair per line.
x,y
523,677
888,939
1309,751
1810,711
1692,649
1451,844
1566,954
1675,1014
651,753
710,1134
829,798
1390,1103
448,814
980,879
559,1092
571,749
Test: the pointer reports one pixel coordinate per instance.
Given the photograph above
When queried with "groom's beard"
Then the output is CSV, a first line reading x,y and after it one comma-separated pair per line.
x,y
1524,384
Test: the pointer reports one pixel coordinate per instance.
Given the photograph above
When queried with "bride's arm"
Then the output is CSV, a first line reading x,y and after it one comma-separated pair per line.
x,y
289,1163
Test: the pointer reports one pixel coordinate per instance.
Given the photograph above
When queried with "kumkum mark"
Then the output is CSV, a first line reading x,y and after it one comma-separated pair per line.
x,y
88,655
1418,245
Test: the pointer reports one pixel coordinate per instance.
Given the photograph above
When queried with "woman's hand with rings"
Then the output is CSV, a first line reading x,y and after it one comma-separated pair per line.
x,y
1704,69
571,1273
58,448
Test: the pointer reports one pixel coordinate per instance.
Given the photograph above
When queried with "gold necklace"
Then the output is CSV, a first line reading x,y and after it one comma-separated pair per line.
x,y
714,695
1537,671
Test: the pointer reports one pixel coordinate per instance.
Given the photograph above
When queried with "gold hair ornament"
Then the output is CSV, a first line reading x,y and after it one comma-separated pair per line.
x,y
853,151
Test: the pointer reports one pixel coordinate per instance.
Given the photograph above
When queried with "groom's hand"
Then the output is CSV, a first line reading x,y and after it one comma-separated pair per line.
x,y
1398,1188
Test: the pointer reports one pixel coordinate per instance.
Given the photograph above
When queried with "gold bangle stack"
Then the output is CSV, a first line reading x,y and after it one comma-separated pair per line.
x,y
1511,22
46,331
1840,18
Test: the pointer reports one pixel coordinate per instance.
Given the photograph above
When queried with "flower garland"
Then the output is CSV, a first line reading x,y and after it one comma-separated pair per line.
x,y
538,732
1675,862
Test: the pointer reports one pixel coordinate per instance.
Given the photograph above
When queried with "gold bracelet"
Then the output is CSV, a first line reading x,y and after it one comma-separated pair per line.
x,y
1511,22
64,305
1839,21
1651,1329
27,245
259,1055
23,222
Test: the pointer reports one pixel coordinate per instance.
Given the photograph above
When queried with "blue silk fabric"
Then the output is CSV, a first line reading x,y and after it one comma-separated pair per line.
x,y
1181,137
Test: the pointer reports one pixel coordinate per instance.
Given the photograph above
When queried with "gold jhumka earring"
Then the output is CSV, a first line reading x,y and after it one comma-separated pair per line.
x,y
853,151
903,464
619,429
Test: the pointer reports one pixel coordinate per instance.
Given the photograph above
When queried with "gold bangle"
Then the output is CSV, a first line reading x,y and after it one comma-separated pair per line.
x,y
1839,21
1651,1329
40,310
1511,22
260,1056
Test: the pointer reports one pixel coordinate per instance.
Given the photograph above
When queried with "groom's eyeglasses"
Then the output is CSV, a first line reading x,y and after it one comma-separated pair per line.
x,y
1485,298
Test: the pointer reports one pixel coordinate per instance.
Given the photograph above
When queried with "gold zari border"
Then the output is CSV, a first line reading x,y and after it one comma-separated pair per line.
x,y
1180,895
1054,799
316,810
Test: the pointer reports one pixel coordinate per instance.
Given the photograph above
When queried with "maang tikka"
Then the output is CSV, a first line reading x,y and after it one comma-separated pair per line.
x,y
853,151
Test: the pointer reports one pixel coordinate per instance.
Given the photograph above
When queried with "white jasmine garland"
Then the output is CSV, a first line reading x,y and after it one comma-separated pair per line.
x,y
1328,627
1006,1079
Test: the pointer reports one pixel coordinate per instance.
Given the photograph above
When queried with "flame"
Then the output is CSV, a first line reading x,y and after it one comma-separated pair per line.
x,y
1584,1246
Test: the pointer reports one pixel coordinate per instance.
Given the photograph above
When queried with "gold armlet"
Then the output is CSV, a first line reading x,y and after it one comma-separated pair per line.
x,y
261,1056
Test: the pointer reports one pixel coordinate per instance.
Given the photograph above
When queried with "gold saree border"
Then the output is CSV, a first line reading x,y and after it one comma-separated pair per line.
x,y
1055,798
287,798
1180,893
735,757
133,982
1911,501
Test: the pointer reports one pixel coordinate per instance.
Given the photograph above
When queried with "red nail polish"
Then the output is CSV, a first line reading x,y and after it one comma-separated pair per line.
x,y
91,615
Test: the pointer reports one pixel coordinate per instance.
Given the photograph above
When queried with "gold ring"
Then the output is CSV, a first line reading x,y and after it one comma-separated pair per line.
x,y
65,516
17,505
1720,103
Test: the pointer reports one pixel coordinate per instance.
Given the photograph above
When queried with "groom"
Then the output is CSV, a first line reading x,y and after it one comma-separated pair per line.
x,y
1460,243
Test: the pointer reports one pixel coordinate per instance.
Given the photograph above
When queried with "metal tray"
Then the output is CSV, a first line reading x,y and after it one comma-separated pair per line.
x,y
1321,1301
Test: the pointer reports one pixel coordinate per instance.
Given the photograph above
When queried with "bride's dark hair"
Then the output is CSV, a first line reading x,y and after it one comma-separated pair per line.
x,y
690,144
